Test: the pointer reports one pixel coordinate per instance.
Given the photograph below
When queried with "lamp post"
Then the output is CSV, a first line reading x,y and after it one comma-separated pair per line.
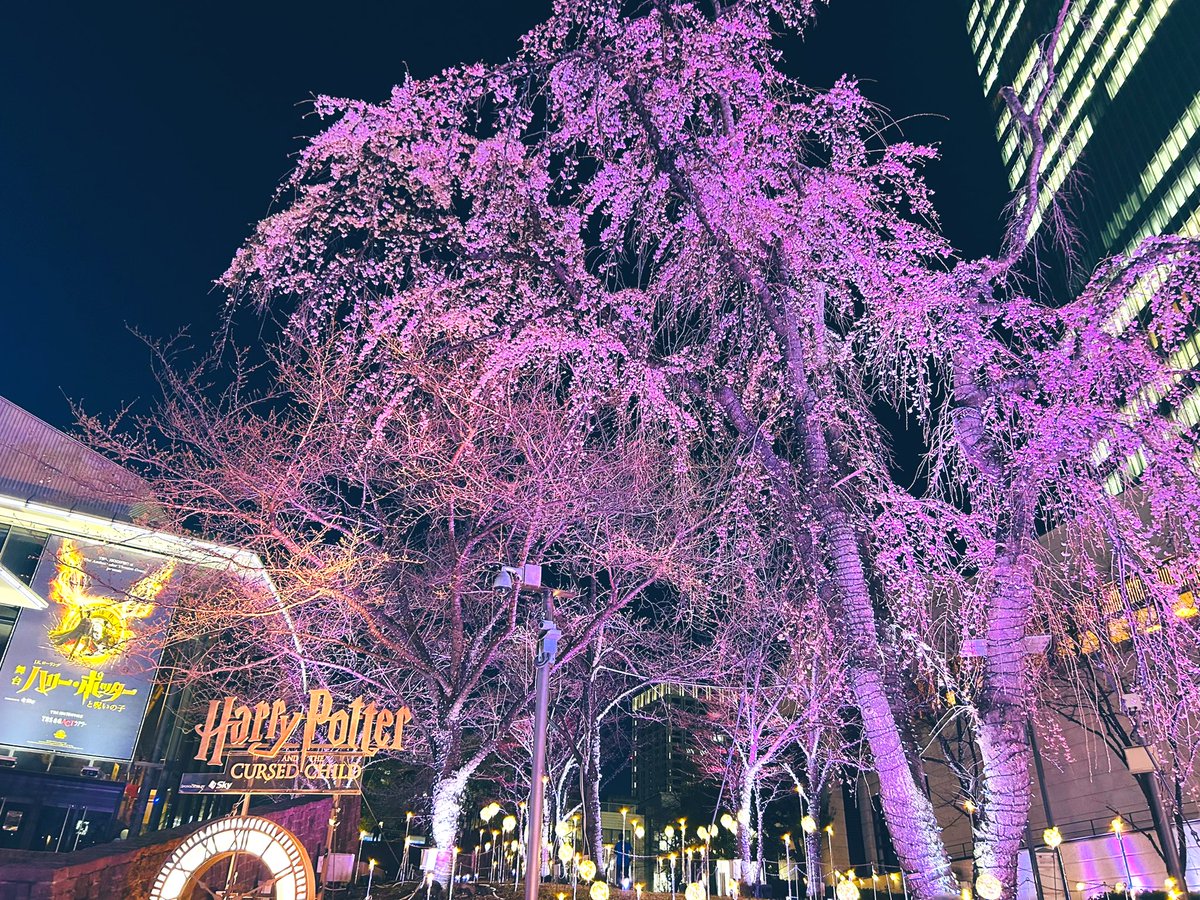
x,y
687,875
408,817
362,836
453,865
370,878
787,856
1053,838
1118,827
547,650
832,867
639,834
522,863
622,853
669,834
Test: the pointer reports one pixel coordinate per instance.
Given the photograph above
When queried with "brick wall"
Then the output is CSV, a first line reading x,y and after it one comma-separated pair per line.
x,y
127,869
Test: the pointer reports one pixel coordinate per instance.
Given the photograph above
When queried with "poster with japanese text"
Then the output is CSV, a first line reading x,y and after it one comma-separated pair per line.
x,y
76,677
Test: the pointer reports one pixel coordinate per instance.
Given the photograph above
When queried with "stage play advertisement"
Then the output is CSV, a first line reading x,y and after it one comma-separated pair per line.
x,y
77,675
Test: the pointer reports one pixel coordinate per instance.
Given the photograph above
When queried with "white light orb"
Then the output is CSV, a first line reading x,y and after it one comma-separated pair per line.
x,y
988,886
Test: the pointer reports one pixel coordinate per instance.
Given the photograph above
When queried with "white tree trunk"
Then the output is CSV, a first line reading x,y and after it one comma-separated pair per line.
x,y
445,819
908,812
1002,735
590,790
745,798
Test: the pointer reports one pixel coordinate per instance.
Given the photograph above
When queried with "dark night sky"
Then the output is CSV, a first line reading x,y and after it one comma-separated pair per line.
x,y
139,143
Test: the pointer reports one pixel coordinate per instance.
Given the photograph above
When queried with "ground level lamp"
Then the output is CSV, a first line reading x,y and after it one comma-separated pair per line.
x,y
1053,838
988,886
1118,828
566,853
829,839
408,817
507,824
809,826
787,857
639,834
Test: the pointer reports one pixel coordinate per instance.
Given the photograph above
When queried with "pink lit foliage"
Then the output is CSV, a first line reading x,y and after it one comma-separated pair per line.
x,y
644,213
382,493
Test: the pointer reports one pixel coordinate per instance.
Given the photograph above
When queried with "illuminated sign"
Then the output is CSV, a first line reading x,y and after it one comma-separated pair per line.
x,y
289,868
267,729
284,774
77,675
273,749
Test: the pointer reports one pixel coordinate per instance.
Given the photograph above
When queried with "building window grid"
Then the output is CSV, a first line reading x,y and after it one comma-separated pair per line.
x,y
996,48
1138,42
1171,150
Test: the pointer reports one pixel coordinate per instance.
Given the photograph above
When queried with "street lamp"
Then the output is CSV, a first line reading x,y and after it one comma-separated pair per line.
x,y
370,878
362,836
1053,838
787,855
623,854
1118,827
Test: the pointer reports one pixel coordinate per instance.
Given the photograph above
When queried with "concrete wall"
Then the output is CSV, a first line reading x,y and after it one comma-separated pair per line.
x,y
126,869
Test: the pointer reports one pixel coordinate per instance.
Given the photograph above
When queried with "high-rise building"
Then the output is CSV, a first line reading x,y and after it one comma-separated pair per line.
x,y
1123,121
1122,132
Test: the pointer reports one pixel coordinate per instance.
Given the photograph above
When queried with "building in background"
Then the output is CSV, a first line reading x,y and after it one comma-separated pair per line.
x,y
90,747
1123,121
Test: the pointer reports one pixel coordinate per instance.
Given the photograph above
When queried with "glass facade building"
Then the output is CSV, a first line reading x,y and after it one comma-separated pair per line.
x,y
1123,121
1122,127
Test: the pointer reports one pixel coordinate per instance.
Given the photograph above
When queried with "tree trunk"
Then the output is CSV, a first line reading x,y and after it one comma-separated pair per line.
x,y
589,778
1003,737
745,798
812,858
445,819
908,812
761,854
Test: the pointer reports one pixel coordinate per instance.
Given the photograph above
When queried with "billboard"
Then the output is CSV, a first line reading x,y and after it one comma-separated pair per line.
x,y
77,675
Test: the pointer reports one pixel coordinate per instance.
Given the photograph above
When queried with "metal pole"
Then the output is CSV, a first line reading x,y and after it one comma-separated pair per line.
x,y
1038,891
547,650
67,818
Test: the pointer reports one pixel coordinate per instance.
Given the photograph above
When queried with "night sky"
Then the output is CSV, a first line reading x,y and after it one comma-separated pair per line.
x,y
138,144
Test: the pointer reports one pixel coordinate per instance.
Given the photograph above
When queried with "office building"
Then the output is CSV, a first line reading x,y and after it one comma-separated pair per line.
x,y
1123,121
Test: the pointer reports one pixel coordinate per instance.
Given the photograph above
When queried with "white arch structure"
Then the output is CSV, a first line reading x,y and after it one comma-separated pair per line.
x,y
273,845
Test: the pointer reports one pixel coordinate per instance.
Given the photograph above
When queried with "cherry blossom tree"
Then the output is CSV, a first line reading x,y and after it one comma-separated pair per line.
x,y
643,211
383,498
